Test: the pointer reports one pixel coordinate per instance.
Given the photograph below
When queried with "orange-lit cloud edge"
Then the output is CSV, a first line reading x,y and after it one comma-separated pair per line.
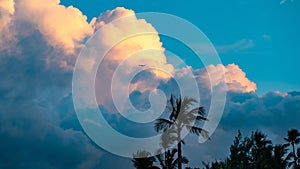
x,y
69,33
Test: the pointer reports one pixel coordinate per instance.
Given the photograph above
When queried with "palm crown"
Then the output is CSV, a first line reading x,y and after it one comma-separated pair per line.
x,y
182,116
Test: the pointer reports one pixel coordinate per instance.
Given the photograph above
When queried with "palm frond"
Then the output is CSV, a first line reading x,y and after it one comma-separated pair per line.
x,y
174,151
184,160
186,103
287,139
297,140
199,118
162,124
160,159
168,138
189,119
198,131
197,111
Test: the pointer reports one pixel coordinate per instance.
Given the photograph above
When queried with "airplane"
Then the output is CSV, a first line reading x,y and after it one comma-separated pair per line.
x,y
141,65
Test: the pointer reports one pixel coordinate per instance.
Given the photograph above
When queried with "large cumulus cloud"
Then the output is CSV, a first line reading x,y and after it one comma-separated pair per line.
x,y
62,26
6,11
35,71
132,42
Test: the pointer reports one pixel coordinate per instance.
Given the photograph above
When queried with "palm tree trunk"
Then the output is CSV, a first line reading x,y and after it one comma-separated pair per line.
x,y
167,160
179,155
294,154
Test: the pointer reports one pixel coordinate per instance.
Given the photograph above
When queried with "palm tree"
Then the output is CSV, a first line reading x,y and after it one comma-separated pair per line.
x,y
167,159
261,151
293,138
182,117
298,158
280,159
142,163
240,152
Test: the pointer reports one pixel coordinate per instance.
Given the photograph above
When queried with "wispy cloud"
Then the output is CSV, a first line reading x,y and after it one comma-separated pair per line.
x,y
266,37
239,46
236,47
284,1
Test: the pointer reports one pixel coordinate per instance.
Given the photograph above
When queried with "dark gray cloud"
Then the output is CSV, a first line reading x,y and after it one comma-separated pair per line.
x,y
273,113
31,87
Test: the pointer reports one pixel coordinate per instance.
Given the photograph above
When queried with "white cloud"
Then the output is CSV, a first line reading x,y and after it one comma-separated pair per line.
x,y
284,1
235,78
141,46
6,12
266,37
63,27
236,47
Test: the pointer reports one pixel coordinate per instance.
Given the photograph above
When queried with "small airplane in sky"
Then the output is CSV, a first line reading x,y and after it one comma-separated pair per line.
x,y
141,65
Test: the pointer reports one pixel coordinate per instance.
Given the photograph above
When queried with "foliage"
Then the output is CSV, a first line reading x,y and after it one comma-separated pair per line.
x,y
143,163
182,116
258,152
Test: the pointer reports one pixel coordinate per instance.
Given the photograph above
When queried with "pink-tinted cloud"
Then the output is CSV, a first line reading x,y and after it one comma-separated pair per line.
x,y
134,36
63,27
6,12
133,42
235,78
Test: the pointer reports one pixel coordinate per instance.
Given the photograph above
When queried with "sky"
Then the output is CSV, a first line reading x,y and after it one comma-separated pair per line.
x,y
249,33
257,42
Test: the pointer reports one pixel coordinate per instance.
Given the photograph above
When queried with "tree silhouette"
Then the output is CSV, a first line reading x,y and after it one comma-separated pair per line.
x,y
261,155
239,152
298,159
293,138
280,159
182,117
142,163
166,156
167,160
254,152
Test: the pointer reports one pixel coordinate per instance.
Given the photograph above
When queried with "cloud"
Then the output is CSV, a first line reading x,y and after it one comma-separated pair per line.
x,y
236,47
111,15
133,42
33,132
22,19
266,37
7,5
6,13
30,129
235,78
39,127
37,72
273,113
135,48
64,27
284,1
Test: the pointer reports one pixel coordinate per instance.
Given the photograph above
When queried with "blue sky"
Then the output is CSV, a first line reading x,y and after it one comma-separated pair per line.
x,y
257,41
260,36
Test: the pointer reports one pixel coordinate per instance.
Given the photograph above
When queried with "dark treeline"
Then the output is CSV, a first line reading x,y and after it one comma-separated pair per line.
x,y
258,152
250,152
